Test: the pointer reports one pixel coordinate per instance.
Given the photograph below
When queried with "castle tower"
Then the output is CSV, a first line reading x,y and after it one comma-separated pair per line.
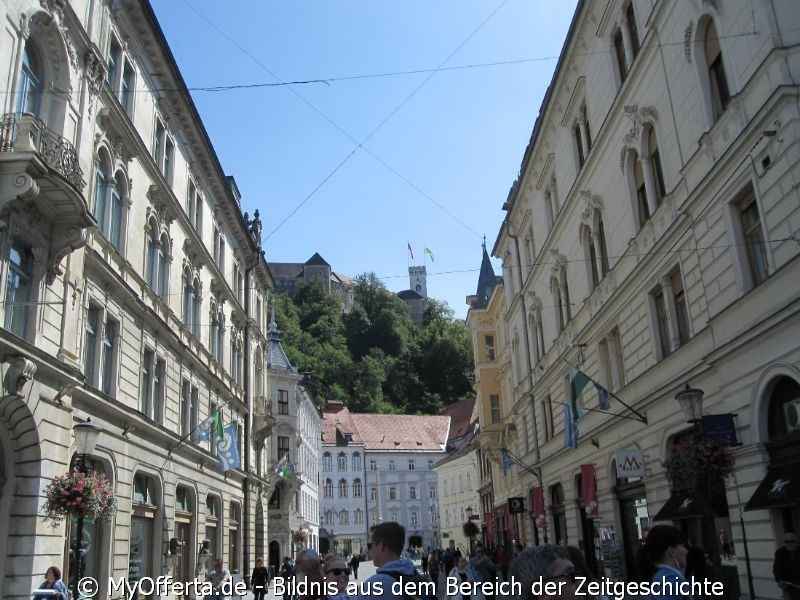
x,y
418,278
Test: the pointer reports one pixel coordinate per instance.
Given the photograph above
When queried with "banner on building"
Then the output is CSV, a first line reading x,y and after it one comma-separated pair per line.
x,y
537,502
589,491
630,463
720,426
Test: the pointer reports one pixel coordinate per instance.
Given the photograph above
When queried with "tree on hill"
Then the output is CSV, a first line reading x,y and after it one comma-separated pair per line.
x,y
375,358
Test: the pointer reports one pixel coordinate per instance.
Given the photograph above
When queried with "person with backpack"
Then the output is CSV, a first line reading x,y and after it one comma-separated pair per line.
x,y
388,540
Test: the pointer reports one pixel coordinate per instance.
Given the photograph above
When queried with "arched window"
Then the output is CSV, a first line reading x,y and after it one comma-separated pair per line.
x,y
327,462
590,257
557,304
717,81
327,489
344,517
341,462
654,162
601,237
30,88
152,261
342,488
640,189
358,489
162,288
356,461
108,210
558,510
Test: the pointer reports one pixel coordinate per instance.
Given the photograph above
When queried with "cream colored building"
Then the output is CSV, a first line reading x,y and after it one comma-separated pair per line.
x,y
133,292
458,481
651,241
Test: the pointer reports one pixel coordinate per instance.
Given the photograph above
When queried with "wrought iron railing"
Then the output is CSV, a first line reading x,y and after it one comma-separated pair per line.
x,y
25,133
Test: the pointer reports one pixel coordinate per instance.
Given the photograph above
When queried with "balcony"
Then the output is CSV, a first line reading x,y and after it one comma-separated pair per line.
x,y
41,178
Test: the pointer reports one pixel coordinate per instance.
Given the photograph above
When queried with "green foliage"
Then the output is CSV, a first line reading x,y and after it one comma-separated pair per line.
x,y
375,358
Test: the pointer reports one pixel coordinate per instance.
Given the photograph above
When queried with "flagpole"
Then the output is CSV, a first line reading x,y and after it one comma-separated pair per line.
x,y
640,416
605,412
183,440
518,461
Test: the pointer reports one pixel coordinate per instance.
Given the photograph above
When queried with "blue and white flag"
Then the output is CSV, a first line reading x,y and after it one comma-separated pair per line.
x,y
603,396
505,461
227,451
570,428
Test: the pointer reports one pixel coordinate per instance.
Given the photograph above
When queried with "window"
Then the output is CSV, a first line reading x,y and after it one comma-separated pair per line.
x,y
412,492
392,464
358,488
191,304
344,517
414,520
90,345
670,306
30,86
576,134
489,348
611,364
590,257
18,288
108,204
144,490
356,462
327,489
127,89
373,465
752,233
183,502
190,406
283,402
114,61
342,488
194,209
619,54
642,205
238,282
494,402
155,261
373,494
215,336
547,413
341,462
601,237
432,492
327,462
393,514
412,464
717,80
655,166
234,517
561,304
236,359
633,30
283,446
358,517
109,351
392,492
219,249
148,366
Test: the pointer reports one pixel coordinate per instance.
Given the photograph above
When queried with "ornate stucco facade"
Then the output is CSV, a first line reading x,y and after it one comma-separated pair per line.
x,y
651,241
134,293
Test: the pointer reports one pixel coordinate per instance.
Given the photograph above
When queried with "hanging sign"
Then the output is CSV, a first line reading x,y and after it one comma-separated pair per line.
x,y
630,463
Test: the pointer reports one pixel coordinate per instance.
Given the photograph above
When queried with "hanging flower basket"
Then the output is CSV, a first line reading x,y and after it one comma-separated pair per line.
x,y
300,536
79,495
699,465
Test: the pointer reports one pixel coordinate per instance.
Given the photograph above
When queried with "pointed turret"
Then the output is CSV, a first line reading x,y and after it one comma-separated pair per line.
x,y
486,281
276,356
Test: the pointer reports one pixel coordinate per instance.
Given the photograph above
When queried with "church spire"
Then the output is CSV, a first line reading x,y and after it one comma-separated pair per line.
x,y
486,280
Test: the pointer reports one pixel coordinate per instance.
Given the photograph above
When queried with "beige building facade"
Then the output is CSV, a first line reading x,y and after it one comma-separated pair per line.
x,y
134,293
651,241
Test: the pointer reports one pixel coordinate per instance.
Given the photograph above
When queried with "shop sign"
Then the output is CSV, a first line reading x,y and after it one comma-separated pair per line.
x,y
630,463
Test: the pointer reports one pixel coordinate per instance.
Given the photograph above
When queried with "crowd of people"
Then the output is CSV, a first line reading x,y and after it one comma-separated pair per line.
x,y
664,557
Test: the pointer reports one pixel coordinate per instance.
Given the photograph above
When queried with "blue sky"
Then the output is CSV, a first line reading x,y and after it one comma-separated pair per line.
x,y
357,168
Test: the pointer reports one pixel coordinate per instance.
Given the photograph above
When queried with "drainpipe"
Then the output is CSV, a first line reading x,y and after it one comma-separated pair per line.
x,y
247,421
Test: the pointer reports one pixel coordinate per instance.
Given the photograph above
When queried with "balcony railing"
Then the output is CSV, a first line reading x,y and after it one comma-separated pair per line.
x,y
26,133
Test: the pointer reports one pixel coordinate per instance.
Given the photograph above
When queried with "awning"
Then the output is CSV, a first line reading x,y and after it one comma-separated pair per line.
x,y
682,506
781,487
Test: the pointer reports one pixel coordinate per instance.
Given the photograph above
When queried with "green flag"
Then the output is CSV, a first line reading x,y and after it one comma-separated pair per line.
x,y
577,381
429,252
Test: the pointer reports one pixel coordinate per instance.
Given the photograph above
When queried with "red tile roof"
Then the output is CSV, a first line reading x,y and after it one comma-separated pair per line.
x,y
464,415
386,432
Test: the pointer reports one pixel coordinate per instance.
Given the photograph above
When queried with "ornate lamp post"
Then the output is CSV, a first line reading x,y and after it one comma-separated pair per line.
x,y
691,403
86,435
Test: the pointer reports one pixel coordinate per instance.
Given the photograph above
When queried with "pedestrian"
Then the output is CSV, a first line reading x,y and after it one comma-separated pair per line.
x,y
460,574
695,562
484,567
662,558
725,544
434,568
287,574
786,567
259,579
337,576
543,564
308,569
501,556
355,562
220,579
52,582
384,550
424,562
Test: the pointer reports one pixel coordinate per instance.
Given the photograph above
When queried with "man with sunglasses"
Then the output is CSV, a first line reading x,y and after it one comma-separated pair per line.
x,y
786,567
388,540
337,576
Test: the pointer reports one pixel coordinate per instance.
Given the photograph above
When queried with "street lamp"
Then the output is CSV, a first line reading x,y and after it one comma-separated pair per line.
x,y
691,402
86,435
